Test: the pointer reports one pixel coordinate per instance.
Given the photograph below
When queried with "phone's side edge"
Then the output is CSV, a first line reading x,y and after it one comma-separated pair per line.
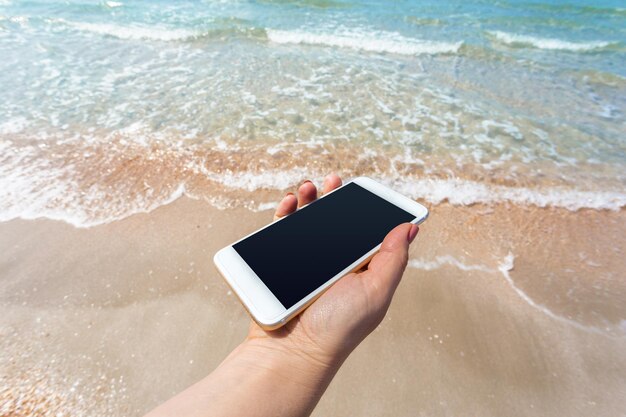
x,y
242,296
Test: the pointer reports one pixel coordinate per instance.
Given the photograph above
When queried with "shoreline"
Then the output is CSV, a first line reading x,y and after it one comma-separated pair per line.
x,y
91,314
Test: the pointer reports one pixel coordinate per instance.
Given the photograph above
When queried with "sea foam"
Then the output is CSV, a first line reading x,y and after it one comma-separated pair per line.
x,y
453,190
547,43
465,192
132,32
14,125
504,267
379,42
49,192
441,261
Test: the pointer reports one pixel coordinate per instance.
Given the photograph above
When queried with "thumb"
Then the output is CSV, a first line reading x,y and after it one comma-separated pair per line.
x,y
387,266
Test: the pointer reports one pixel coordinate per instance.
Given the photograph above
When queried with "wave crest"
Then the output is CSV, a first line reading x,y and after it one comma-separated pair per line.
x,y
465,192
373,42
514,39
376,42
133,32
455,191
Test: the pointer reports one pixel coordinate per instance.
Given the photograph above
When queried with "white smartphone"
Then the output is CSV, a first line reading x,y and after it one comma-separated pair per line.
x,y
280,269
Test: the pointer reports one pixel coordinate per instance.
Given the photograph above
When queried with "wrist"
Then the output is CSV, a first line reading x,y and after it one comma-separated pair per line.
x,y
258,378
289,364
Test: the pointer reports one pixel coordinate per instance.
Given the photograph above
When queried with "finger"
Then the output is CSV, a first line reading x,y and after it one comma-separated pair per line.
x,y
387,266
286,206
307,193
331,182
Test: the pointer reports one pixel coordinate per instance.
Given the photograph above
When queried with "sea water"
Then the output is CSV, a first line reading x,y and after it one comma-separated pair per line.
x,y
114,107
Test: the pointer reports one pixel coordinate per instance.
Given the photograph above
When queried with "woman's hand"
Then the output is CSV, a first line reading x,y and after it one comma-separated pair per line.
x,y
330,328
285,372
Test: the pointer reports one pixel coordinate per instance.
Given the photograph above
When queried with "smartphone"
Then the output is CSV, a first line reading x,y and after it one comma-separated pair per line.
x,y
282,268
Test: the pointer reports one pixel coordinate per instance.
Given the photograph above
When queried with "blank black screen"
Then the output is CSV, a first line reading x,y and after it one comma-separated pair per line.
x,y
298,254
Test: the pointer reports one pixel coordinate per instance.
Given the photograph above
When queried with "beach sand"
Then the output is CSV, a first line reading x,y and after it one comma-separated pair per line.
x,y
503,310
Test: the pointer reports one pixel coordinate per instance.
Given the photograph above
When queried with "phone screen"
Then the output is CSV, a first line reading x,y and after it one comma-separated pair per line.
x,y
295,256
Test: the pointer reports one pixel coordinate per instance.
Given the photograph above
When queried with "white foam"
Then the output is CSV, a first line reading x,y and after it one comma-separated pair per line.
x,y
12,126
268,179
504,267
441,261
379,42
43,191
464,192
113,4
271,205
133,32
547,43
455,191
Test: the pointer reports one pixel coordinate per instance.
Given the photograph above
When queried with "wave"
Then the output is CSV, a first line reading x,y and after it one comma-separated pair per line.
x,y
132,32
441,261
24,197
379,42
455,191
223,29
113,4
514,39
45,183
508,264
318,4
165,34
465,192
504,267
581,10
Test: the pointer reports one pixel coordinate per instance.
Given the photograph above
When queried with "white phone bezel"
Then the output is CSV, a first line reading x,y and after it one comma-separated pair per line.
x,y
260,302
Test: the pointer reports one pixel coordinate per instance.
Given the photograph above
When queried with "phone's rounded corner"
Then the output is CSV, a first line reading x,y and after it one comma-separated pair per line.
x,y
220,265
216,257
362,180
424,217
269,324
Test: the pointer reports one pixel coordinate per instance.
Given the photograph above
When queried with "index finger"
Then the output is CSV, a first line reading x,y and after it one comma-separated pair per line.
x,y
387,266
331,182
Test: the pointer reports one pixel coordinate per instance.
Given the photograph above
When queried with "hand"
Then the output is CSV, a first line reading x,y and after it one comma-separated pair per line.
x,y
285,372
330,328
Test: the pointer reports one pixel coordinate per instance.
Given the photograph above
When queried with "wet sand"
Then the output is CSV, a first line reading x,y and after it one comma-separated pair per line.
x,y
504,310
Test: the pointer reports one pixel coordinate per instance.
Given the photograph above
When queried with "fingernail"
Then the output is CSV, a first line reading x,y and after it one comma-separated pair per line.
x,y
413,233
288,194
305,181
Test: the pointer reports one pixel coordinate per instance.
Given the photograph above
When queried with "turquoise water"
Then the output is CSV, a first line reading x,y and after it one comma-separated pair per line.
x,y
579,34
114,107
